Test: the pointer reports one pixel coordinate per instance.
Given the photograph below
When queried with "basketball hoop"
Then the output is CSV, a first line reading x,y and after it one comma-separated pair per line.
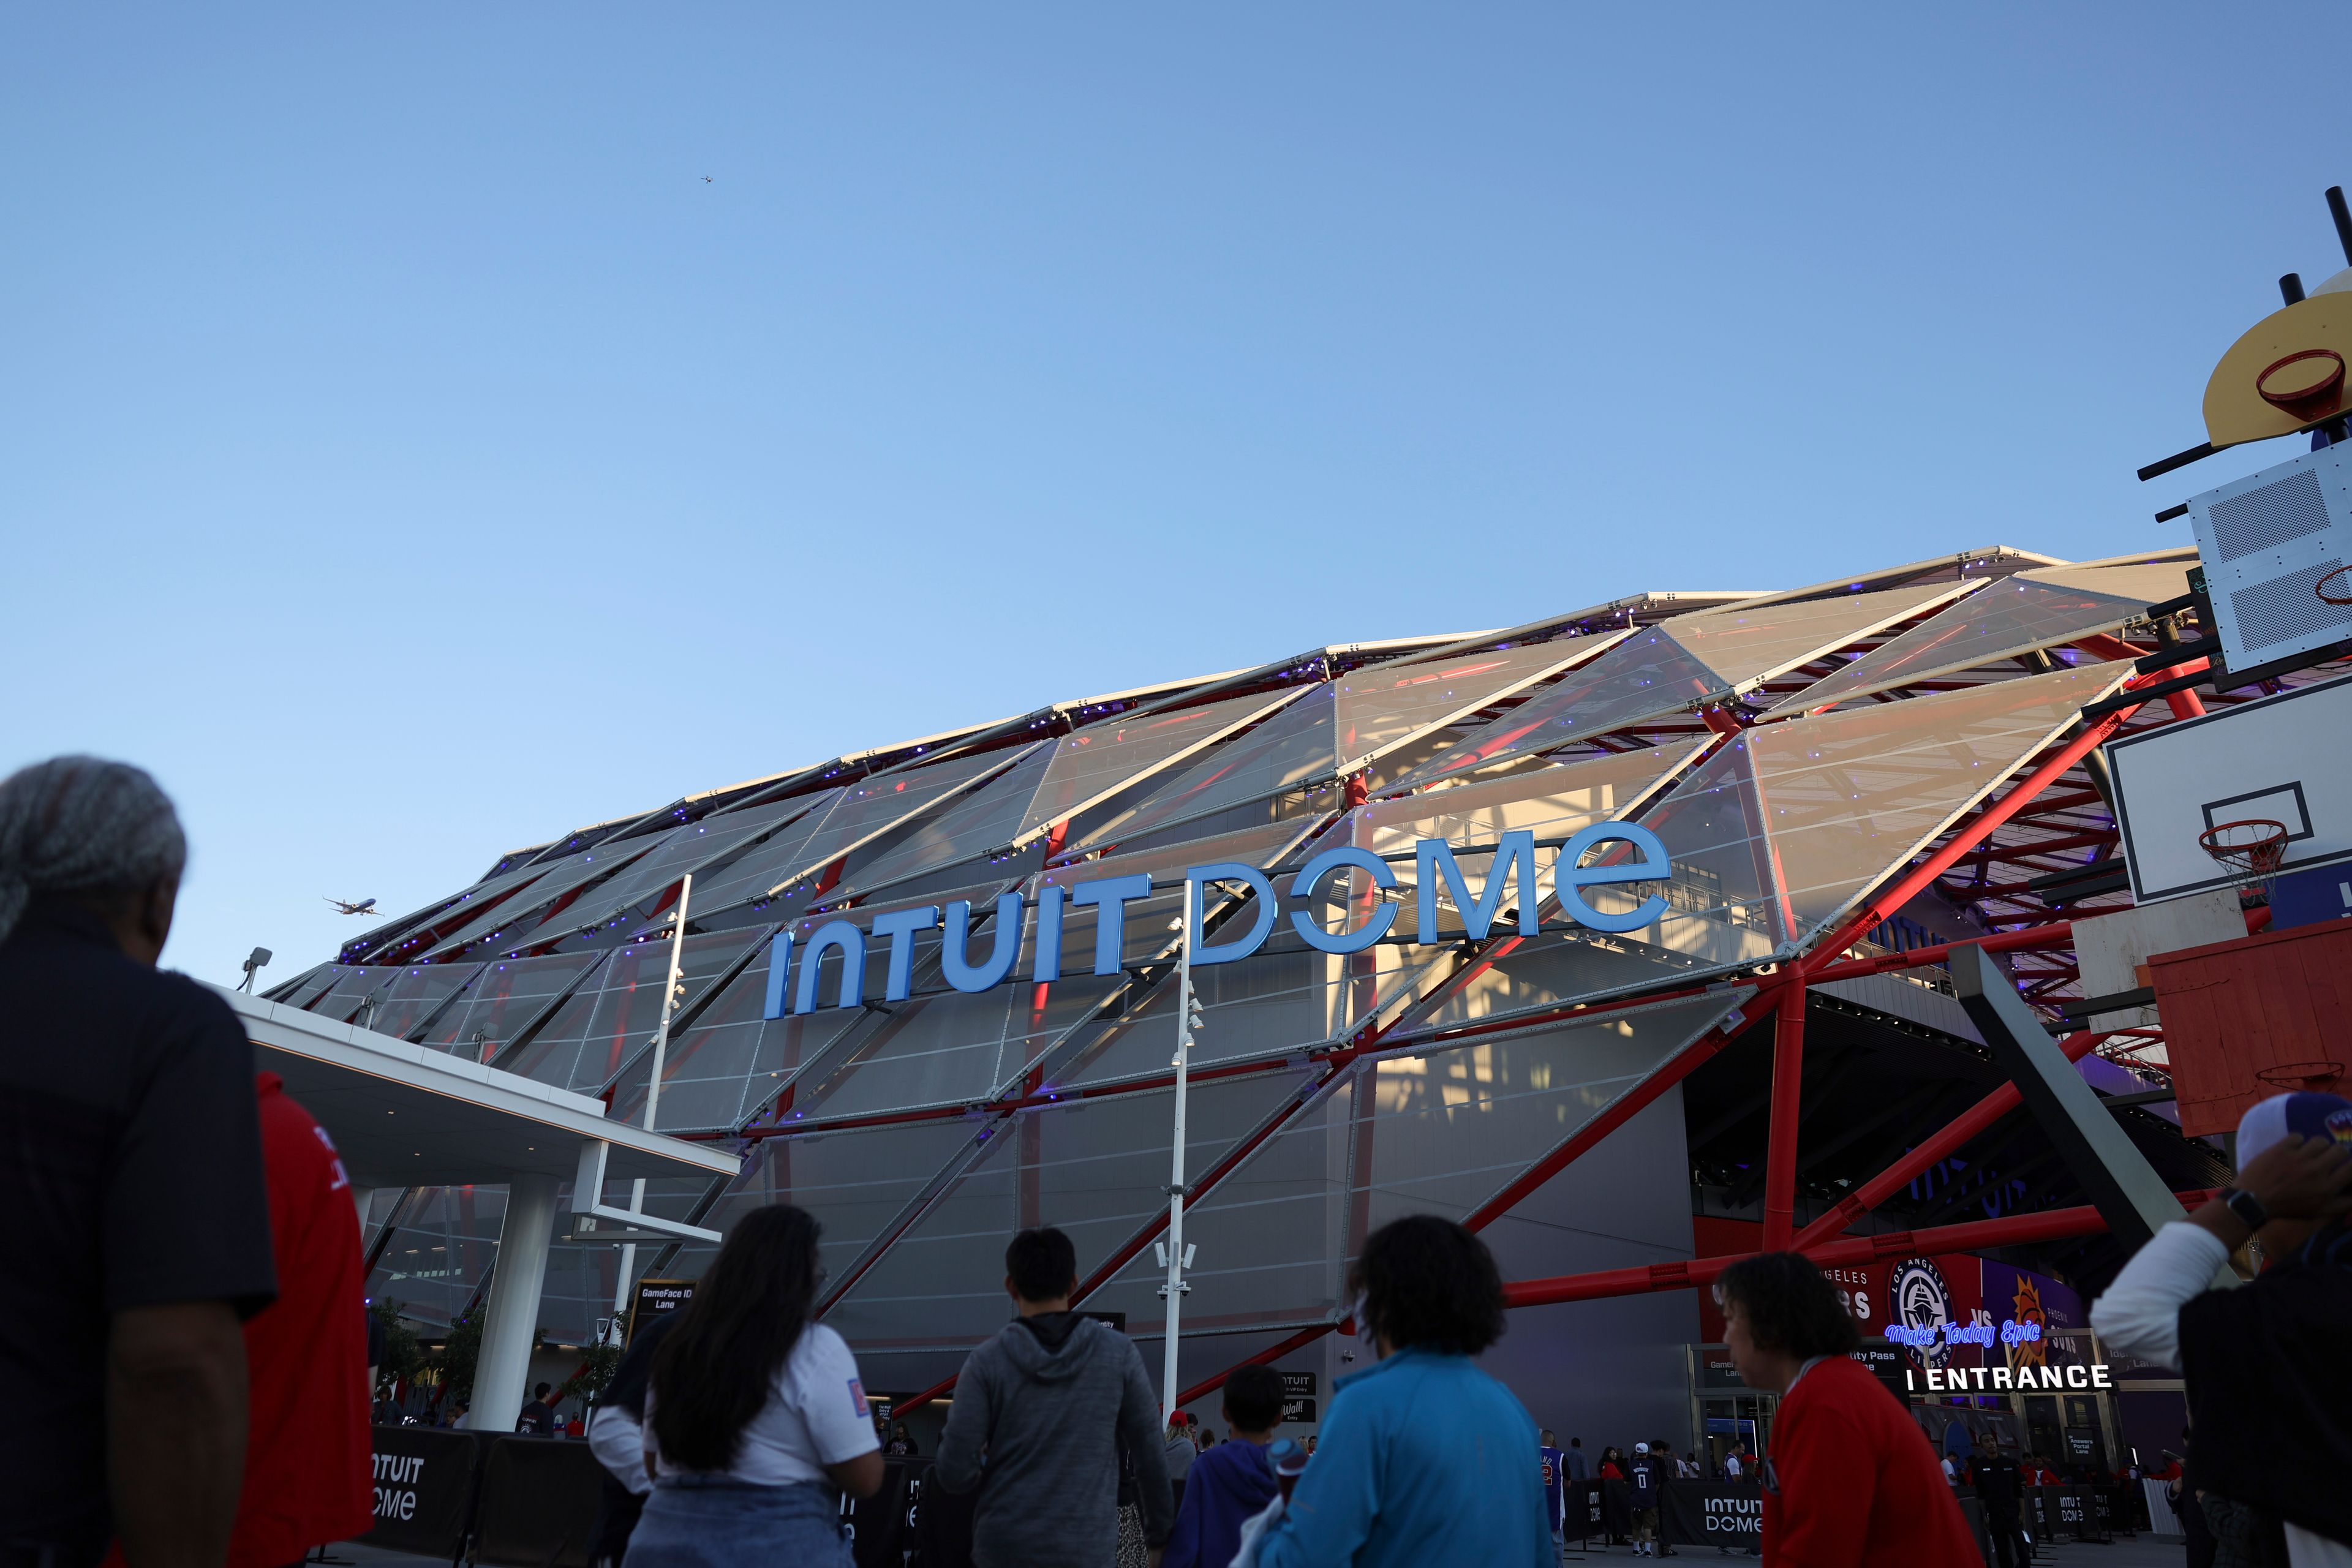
x,y
2342,578
2253,848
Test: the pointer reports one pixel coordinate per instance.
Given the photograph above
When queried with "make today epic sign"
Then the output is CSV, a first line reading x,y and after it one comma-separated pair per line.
x,y
1514,864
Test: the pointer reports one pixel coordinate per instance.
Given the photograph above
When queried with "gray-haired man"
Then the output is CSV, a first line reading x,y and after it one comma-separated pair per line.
x,y
133,1149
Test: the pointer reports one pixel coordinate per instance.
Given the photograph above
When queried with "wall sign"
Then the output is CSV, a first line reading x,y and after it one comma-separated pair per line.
x,y
1436,867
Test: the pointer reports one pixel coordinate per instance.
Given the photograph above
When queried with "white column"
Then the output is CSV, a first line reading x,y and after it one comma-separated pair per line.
x,y
510,1322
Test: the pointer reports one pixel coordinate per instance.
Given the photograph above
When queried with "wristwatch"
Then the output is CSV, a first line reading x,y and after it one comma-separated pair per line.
x,y
2247,1207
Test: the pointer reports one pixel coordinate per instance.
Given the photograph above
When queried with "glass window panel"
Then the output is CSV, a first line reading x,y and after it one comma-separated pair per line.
x,y
2000,620
304,988
583,1278
1291,749
348,988
414,995
1383,705
1273,1234
1091,764
766,864
685,850
731,1063
1646,674
520,914
861,813
441,1251
945,1049
509,994
1742,646
1552,803
1096,1169
978,823
1436,1133
616,1013
1452,1127
856,1183
411,934
1782,831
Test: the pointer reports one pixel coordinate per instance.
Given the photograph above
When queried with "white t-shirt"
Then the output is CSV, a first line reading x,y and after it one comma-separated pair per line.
x,y
815,1416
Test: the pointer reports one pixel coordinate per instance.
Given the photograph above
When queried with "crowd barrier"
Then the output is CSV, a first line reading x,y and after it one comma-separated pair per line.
x,y
531,1502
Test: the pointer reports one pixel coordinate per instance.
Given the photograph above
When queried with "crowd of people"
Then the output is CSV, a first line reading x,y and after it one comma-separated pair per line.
x,y
186,1375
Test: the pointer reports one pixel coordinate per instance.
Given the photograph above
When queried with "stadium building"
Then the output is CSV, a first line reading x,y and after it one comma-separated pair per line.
x,y
929,990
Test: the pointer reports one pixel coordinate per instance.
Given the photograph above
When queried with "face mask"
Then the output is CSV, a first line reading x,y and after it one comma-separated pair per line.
x,y
1359,1314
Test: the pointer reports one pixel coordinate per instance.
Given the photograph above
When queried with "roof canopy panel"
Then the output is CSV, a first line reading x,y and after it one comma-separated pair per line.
x,y
2037,609
1784,830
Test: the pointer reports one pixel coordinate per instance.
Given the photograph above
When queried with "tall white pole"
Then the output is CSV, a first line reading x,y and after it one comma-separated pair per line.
x,y
652,1095
1175,1288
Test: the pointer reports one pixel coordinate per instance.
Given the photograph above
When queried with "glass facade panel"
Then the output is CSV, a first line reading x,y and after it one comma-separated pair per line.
x,y
502,1001
349,990
616,1013
1449,1128
861,813
731,1063
440,1251
1742,646
1091,764
1273,1234
686,848
1096,1169
516,916
856,1183
1782,831
1291,749
304,988
1646,674
1383,705
767,864
2000,620
978,823
416,993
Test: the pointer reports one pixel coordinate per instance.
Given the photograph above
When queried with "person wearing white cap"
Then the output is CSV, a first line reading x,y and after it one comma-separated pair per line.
x,y
2270,1389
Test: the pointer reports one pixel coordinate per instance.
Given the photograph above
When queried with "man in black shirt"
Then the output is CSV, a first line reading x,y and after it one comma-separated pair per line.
x,y
538,1417
131,1150
2000,1489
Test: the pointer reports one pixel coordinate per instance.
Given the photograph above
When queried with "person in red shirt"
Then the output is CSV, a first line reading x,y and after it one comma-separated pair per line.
x,y
1848,1478
308,1460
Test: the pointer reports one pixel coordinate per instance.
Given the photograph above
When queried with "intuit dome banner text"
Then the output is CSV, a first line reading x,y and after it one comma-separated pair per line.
x,y
1945,1310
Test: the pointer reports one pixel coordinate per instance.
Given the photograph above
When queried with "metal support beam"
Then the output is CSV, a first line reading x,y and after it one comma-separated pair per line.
x,y
1956,1136
2100,1156
1780,1142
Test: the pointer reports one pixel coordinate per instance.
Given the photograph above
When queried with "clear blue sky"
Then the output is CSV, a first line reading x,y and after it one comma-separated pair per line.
x,y
406,453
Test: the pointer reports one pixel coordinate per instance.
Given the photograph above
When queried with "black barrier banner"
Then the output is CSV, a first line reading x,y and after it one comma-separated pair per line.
x,y
937,1521
1712,1513
1596,1510
539,1503
877,1525
424,1489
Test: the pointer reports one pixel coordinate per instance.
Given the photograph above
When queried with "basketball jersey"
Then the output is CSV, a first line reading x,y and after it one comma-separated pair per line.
x,y
1555,1500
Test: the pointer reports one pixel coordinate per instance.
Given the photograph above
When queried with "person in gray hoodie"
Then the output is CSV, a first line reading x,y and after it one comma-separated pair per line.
x,y
1048,1404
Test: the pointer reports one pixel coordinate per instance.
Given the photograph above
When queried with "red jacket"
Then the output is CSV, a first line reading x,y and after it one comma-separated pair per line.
x,y
1852,1480
308,1466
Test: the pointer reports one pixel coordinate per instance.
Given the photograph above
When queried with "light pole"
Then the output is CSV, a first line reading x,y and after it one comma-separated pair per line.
x,y
1173,1253
653,1098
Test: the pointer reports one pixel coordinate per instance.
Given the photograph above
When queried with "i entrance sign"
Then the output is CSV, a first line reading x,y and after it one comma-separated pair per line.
x,y
1435,863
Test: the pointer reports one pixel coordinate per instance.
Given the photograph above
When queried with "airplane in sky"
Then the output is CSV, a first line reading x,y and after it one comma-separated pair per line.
x,y
345,907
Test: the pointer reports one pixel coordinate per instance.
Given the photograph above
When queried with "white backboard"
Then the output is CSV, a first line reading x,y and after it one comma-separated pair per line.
x,y
2267,541
2286,758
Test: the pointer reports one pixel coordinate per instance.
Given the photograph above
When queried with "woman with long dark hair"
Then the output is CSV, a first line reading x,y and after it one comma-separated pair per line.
x,y
755,1418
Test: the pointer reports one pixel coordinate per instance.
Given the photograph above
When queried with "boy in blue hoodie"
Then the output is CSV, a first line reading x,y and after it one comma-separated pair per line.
x,y
1233,1481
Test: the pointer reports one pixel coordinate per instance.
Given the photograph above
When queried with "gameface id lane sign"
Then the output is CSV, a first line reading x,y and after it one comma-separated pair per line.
x,y
1514,865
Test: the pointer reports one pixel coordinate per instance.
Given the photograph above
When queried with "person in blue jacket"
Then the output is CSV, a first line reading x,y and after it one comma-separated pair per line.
x,y
1231,1481
1425,1459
